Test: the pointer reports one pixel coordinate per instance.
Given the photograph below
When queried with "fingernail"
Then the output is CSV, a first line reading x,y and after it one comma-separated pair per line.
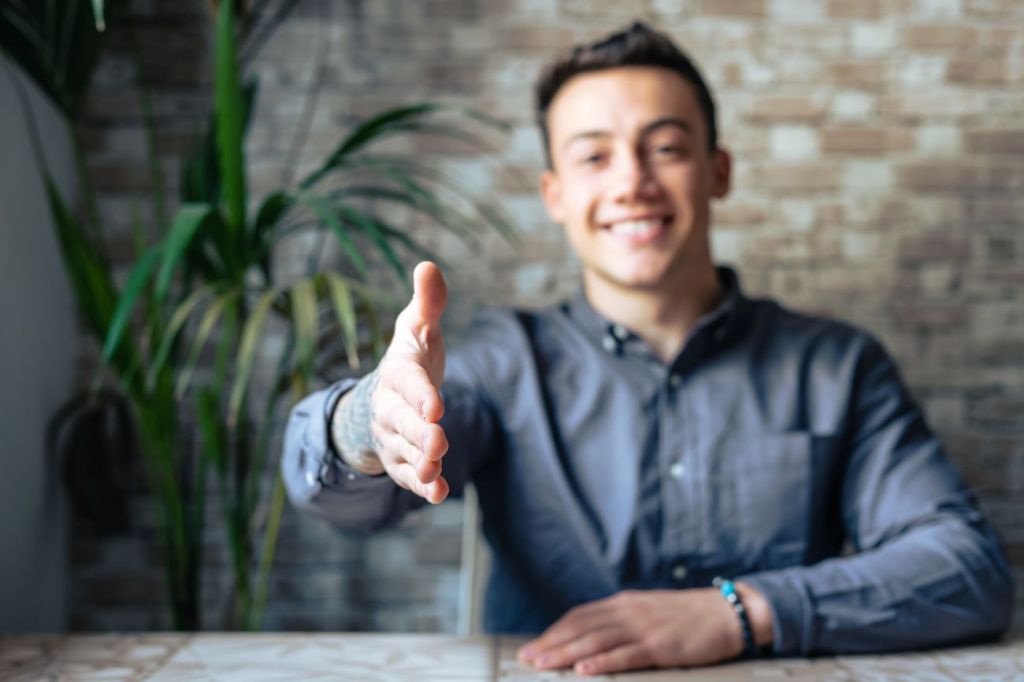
x,y
527,652
543,661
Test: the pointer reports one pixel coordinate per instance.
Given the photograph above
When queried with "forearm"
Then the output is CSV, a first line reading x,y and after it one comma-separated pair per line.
x,y
320,483
351,431
940,583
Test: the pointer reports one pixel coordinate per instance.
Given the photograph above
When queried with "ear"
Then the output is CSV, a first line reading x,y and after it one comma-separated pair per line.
x,y
551,193
721,173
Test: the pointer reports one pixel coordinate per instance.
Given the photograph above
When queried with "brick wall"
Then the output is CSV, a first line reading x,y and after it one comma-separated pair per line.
x,y
878,177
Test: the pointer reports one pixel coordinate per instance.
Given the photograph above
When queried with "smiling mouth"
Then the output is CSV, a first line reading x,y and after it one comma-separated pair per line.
x,y
638,231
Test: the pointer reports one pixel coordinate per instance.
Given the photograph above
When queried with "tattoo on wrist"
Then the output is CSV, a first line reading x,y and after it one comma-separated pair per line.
x,y
351,430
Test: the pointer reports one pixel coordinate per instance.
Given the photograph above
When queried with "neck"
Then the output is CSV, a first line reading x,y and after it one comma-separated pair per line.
x,y
662,316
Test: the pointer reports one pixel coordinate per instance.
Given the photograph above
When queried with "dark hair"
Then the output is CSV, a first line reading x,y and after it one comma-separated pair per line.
x,y
638,45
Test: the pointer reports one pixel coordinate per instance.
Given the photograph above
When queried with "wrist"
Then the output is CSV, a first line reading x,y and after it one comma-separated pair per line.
x,y
752,616
759,610
349,432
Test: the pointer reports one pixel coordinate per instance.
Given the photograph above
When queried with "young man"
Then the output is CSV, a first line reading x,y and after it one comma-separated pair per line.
x,y
667,469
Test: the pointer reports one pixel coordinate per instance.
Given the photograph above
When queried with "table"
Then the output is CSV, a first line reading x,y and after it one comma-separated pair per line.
x,y
430,658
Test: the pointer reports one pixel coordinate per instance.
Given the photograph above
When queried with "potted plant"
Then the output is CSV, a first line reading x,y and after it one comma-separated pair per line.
x,y
209,281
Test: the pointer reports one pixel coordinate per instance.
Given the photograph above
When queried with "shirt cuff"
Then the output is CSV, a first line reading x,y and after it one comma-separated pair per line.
x,y
792,611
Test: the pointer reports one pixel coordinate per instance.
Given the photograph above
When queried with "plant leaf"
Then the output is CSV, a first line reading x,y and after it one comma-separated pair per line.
x,y
133,286
178,319
210,318
247,352
97,12
364,134
304,318
368,226
345,311
230,114
211,429
186,223
273,208
323,209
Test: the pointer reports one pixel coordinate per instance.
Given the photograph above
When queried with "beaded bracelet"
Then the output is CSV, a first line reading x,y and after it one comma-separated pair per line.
x,y
728,590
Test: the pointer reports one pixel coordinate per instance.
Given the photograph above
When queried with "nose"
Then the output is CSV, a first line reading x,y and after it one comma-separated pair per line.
x,y
633,180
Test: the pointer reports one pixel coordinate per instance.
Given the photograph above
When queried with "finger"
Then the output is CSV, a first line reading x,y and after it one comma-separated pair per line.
x,y
405,475
395,414
633,656
591,615
400,451
430,294
588,644
411,381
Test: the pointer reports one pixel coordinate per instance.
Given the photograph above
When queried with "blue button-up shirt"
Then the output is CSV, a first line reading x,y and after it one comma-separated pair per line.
x,y
771,441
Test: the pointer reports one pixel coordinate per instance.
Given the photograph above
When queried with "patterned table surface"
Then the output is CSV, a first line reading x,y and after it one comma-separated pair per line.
x,y
430,658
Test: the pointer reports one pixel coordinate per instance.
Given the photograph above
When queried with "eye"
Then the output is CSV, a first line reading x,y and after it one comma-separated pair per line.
x,y
592,159
673,151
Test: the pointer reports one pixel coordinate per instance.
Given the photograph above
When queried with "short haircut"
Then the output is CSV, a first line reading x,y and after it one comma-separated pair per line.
x,y
638,45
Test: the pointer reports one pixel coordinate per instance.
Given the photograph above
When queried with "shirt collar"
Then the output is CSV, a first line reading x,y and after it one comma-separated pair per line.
x,y
615,337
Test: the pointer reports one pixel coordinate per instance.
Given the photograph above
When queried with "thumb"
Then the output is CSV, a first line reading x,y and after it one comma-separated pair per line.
x,y
430,293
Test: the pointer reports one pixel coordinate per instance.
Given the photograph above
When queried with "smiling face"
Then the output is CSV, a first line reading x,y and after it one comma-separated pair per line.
x,y
632,177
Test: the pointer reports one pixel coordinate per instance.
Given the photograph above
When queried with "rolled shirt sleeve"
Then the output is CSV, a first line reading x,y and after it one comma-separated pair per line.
x,y
928,570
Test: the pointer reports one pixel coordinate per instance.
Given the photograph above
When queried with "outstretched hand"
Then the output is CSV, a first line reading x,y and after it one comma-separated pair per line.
x,y
389,423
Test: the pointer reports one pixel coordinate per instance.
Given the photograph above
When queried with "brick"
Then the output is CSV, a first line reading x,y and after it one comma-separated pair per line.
x,y
856,9
930,315
938,177
946,37
872,39
861,74
930,247
933,104
797,11
799,178
938,9
861,246
864,140
853,105
532,37
1001,411
960,177
792,108
739,214
867,177
791,143
978,71
672,8
995,209
938,140
918,71
1007,141
451,9
734,8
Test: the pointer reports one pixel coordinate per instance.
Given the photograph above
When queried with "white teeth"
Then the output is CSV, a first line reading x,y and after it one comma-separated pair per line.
x,y
634,227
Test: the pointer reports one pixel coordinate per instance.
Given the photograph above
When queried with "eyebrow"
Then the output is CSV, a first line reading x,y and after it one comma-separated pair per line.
x,y
670,121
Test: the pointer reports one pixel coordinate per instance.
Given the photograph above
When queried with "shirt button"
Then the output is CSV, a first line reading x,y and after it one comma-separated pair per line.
x,y
679,572
675,380
609,344
677,470
311,477
619,332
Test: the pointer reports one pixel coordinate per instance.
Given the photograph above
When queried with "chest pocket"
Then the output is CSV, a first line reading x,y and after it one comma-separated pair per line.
x,y
764,482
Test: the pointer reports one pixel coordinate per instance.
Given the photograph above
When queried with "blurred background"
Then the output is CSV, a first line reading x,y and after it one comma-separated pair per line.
x,y
879,178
